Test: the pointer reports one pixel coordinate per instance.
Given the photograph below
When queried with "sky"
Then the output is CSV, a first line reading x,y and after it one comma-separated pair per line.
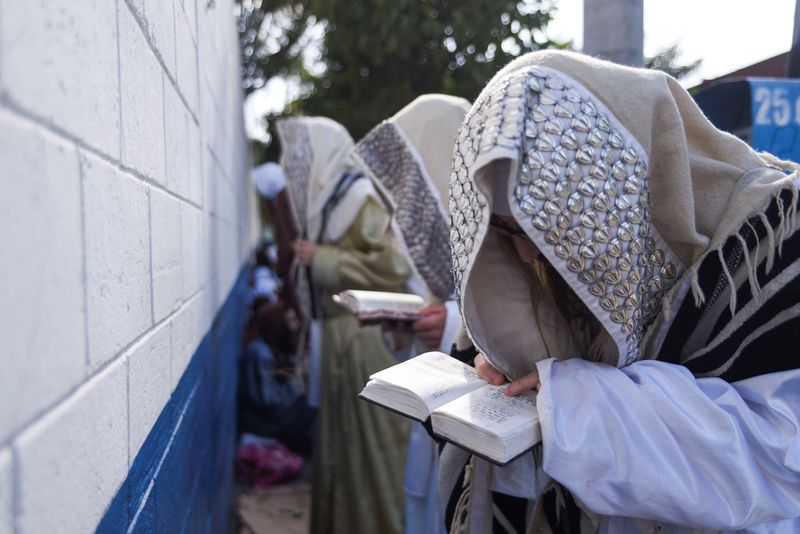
x,y
725,34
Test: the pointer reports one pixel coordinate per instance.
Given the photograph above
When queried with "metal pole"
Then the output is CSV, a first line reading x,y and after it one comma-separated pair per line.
x,y
793,63
614,30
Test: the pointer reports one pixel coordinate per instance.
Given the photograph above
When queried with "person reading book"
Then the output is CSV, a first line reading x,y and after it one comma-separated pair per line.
x,y
408,159
359,448
639,268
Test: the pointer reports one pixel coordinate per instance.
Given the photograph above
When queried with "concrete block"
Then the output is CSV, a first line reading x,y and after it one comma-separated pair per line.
x,y
161,28
137,6
149,384
210,117
117,258
142,101
165,217
185,338
72,462
190,9
186,54
6,490
59,61
43,330
206,49
195,149
177,142
192,249
210,176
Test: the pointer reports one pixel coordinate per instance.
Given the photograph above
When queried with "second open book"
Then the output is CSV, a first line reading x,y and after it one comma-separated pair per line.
x,y
463,409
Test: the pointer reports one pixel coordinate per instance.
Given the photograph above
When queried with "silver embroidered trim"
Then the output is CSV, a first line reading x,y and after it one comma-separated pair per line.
x,y
416,209
296,158
583,183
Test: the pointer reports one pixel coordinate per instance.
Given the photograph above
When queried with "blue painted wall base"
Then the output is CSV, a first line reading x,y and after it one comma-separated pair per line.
x,y
182,478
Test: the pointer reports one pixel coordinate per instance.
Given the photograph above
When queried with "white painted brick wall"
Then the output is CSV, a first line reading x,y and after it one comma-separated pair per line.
x,y
192,249
127,213
41,277
176,122
186,51
149,383
118,284
165,235
73,460
195,150
6,496
160,24
59,63
185,338
142,101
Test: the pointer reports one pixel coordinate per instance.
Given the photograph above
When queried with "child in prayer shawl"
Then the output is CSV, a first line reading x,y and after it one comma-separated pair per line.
x,y
641,270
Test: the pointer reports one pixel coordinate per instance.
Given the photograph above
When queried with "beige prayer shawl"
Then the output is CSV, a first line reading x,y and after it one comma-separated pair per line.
x,y
620,181
408,158
315,154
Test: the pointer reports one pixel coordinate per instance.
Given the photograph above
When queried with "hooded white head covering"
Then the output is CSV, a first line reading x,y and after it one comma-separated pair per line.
x,y
408,157
619,180
315,154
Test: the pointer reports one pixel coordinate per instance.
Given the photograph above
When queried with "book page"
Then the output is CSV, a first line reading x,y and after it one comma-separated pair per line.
x,y
490,410
434,376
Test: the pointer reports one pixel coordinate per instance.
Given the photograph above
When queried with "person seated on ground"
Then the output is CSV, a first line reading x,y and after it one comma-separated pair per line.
x,y
273,398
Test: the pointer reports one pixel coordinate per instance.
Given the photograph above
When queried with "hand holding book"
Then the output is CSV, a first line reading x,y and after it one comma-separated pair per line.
x,y
463,409
490,374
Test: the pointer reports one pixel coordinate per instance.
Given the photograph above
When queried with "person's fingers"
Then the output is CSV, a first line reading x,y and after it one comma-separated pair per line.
x,y
433,309
529,381
487,371
425,323
497,378
430,339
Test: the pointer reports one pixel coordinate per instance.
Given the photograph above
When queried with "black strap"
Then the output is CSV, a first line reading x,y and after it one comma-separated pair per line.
x,y
347,179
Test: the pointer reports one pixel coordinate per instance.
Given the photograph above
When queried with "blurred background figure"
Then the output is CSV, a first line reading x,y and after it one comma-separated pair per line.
x,y
408,158
360,449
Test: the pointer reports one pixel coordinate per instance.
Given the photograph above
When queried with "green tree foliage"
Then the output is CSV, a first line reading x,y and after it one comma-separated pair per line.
x,y
272,37
378,55
381,54
665,61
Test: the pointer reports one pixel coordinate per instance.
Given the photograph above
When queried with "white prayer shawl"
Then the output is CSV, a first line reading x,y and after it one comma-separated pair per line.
x,y
632,195
408,159
315,154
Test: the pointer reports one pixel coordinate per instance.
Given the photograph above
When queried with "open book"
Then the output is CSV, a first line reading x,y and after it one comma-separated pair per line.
x,y
463,409
376,305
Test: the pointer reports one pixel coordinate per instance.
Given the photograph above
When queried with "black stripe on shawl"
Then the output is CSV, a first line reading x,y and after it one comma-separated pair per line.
x,y
779,341
785,298
713,282
775,350
744,294
513,509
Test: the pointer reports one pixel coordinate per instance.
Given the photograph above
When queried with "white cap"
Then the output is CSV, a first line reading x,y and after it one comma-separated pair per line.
x,y
269,179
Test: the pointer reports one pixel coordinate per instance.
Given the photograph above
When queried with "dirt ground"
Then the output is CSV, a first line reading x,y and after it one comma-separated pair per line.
x,y
282,509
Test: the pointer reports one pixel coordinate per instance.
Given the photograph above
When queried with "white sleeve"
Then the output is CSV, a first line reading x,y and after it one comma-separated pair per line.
x,y
651,441
452,321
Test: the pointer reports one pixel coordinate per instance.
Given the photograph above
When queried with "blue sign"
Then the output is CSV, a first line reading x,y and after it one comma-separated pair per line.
x,y
775,106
